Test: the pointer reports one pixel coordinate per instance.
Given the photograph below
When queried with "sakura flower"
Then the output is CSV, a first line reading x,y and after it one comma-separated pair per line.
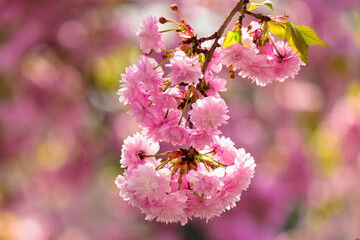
x,y
206,182
166,99
148,75
200,138
184,69
288,65
147,184
149,36
224,150
242,171
261,70
146,115
169,130
135,146
130,89
174,134
238,56
209,112
170,209
214,85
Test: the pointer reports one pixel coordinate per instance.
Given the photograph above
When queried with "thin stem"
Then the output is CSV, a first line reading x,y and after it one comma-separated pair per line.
x,y
202,197
203,162
258,16
182,114
155,155
281,56
167,86
180,181
203,39
220,32
166,114
172,22
209,152
220,164
163,164
177,10
168,30
167,59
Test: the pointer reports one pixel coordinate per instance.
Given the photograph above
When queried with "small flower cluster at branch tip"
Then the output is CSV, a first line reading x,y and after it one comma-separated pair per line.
x,y
206,174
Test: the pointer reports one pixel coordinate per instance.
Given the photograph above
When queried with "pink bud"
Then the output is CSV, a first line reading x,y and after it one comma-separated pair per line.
x,y
174,7
162,20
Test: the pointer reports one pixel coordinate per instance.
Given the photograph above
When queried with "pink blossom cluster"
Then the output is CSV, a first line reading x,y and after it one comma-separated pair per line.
x,y
263,64
158,103
177,101
187,183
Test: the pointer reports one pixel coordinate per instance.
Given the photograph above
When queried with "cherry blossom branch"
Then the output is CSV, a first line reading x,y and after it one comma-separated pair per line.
x,y
218,34
258,16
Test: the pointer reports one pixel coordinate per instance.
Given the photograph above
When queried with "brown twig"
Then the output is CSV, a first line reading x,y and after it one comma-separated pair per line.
x,y
238,7
258,16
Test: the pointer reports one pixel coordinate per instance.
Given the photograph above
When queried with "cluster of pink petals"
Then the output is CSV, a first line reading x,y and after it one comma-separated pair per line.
x,y
209,113
203,193
263,66
180,104
184,69
154,101
149,36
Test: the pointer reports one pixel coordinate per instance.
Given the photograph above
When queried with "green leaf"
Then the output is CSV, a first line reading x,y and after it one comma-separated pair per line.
x,y
297,42
232,37
253,6
278,29
266,3
310,36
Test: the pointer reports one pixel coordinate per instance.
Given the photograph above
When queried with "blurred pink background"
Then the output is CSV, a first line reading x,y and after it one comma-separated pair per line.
x,y
62,127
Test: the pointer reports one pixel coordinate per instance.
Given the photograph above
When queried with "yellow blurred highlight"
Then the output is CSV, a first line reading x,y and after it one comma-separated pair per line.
x,y
108,68
72,234
324,213
52,155
327,147
39,65
7,220
353,95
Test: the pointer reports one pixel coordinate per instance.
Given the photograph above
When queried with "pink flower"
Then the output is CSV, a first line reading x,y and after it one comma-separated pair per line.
x,y
167,99
146,74
225,152
170,209
168,129
238,56
174,134
130,89
135,145
147,184
241,173
214,85
289,64
200,138
206,182
149,36
146,115
261,70
202,209
208,113
184,69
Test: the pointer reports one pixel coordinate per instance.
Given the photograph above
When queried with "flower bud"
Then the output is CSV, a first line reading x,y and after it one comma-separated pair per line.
x,y
162,20
174,7
258,33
